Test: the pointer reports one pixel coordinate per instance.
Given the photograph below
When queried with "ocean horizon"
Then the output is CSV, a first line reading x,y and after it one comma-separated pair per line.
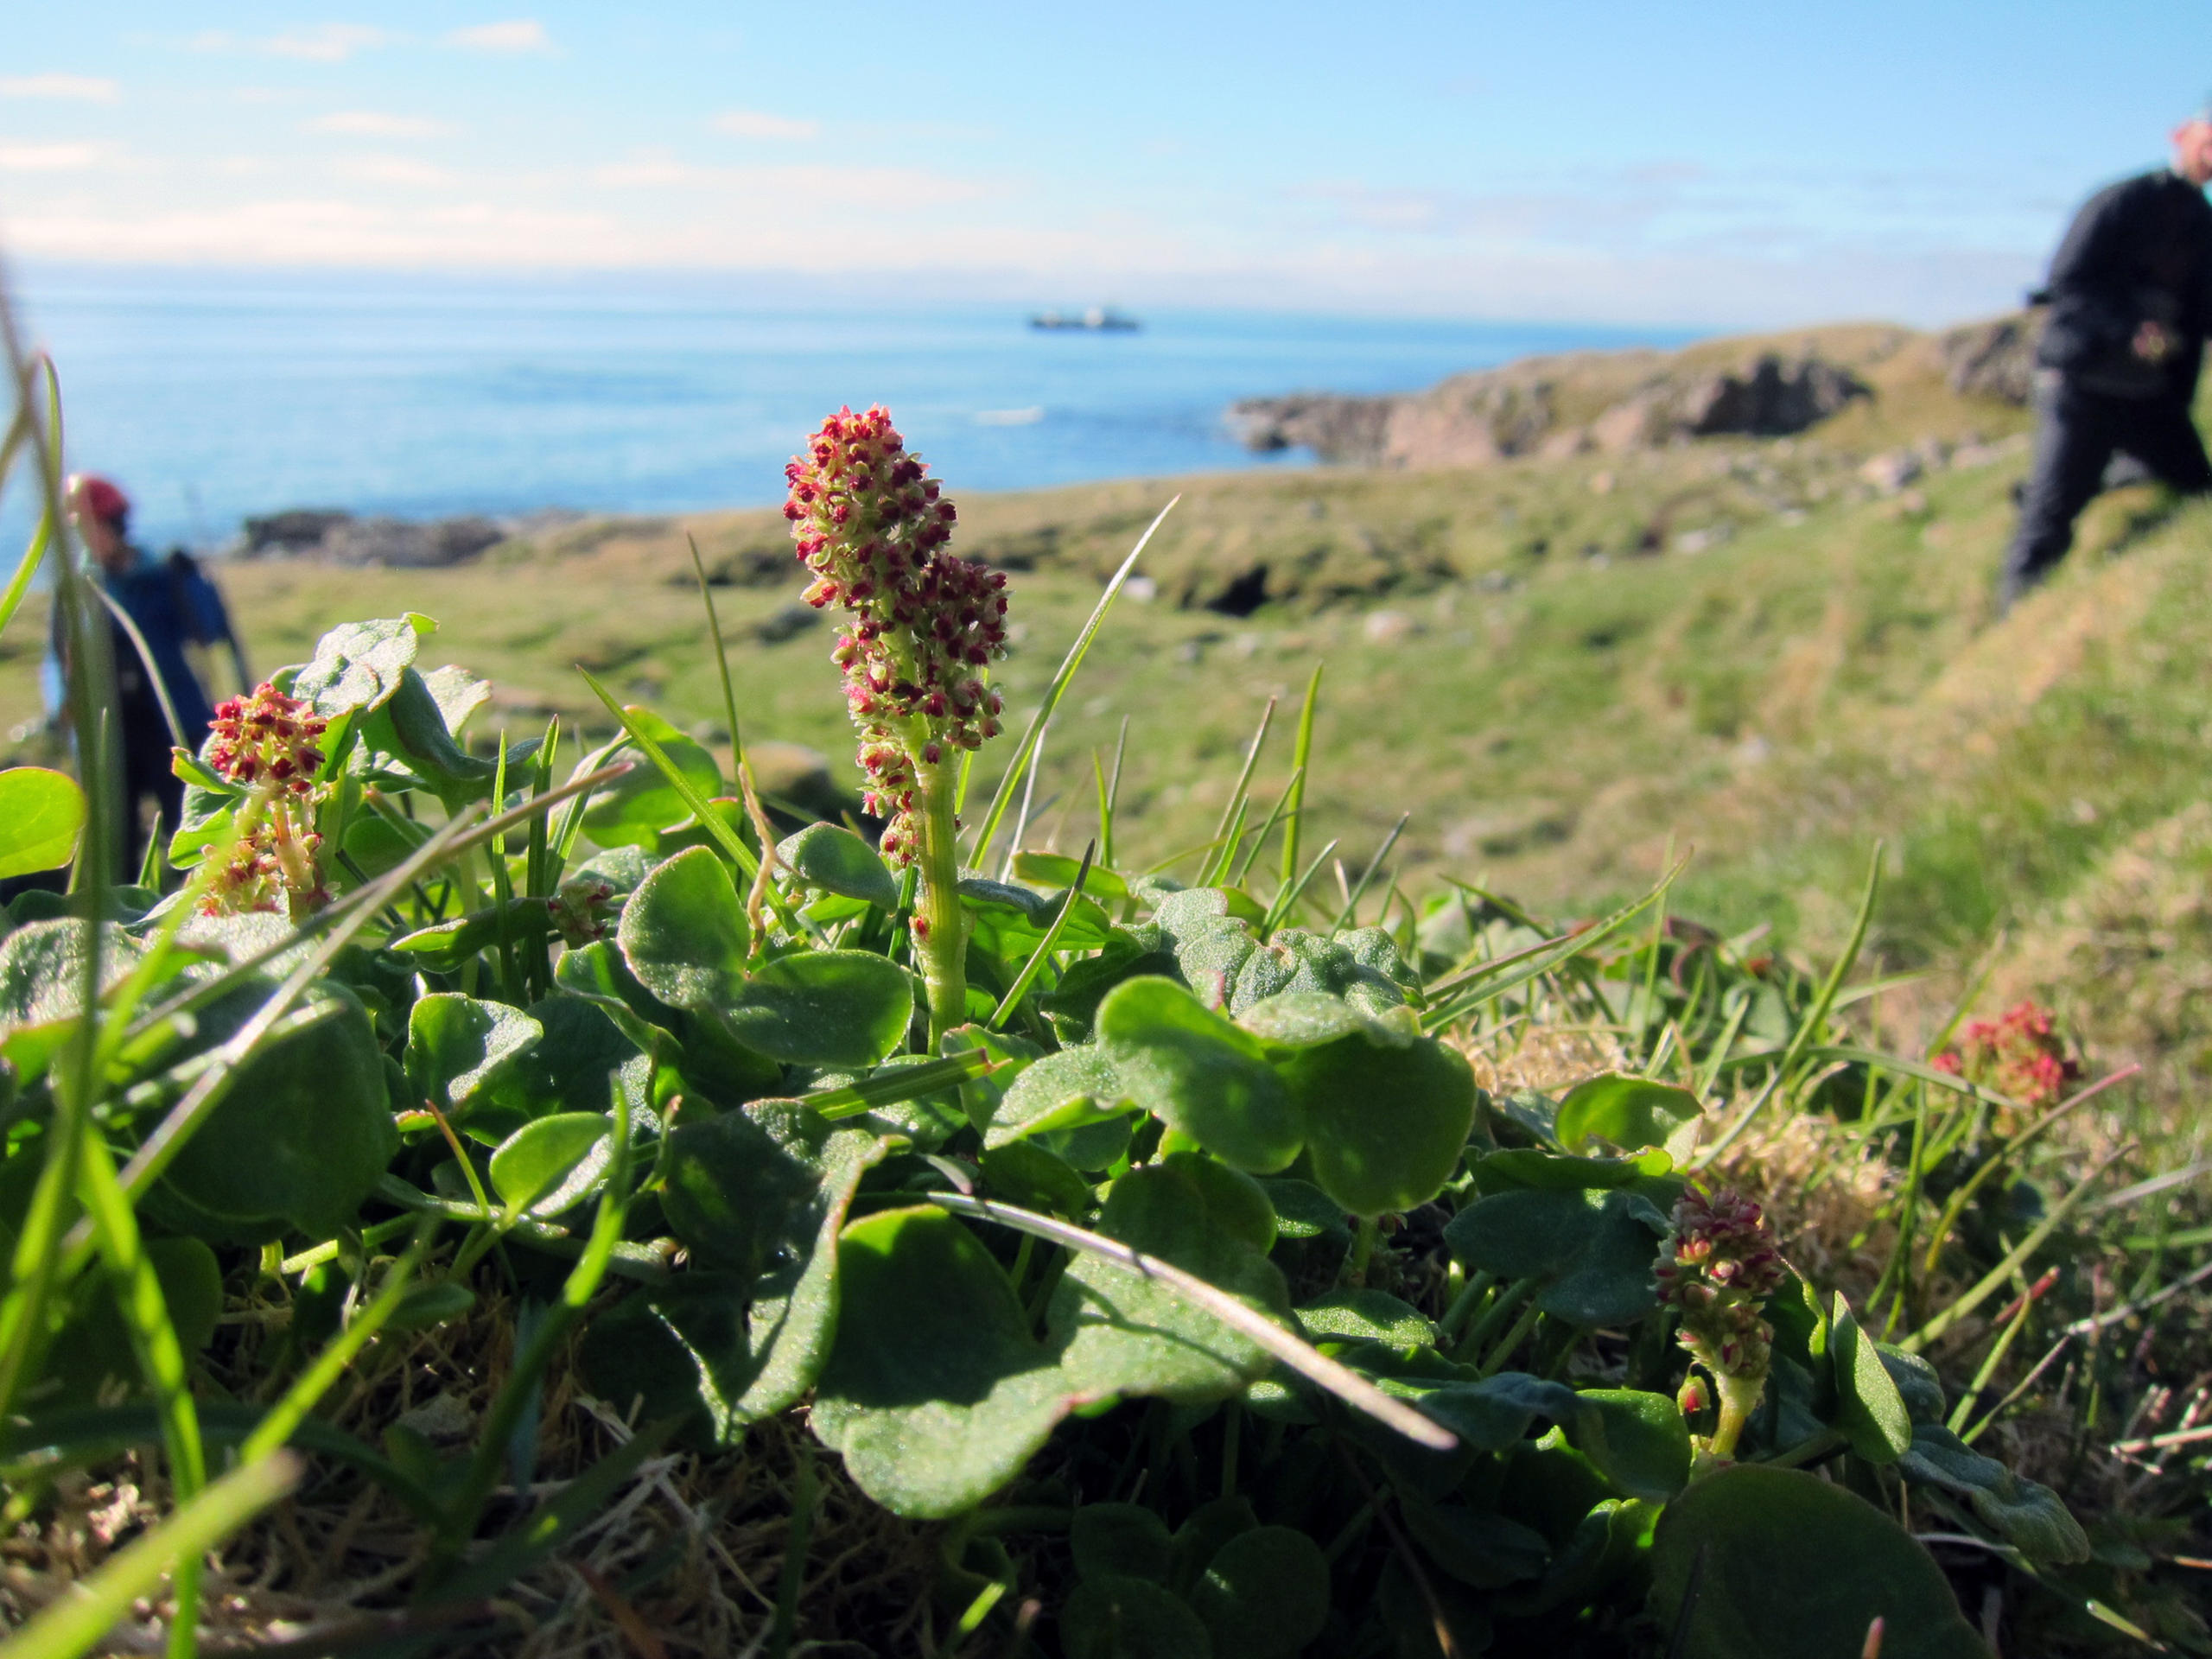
x,y
211,396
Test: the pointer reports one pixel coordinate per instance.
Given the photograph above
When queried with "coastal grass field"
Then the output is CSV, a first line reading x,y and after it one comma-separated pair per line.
x,y
1742,650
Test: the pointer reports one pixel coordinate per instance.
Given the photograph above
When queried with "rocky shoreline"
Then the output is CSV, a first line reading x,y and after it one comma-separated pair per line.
x,y
1615,402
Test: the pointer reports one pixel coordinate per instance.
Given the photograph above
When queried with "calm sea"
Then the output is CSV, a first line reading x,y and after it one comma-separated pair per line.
x,y
212,396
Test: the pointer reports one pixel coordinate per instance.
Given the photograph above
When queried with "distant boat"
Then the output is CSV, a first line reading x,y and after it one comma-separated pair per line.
x,y
1098,319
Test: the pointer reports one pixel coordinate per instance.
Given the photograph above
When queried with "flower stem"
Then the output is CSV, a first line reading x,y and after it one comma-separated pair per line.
x,y
941,939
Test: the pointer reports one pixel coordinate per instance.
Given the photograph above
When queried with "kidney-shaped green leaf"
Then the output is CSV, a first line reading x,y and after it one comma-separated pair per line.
x,y
1385,1122
1629,1113
1199,1074
1593,1248
635,808
357,665
457,1046
1265,1594
530,1169
1785,1563
824,1008
684,932
1113,1617
831,857
42,813
1638,1441
306,1130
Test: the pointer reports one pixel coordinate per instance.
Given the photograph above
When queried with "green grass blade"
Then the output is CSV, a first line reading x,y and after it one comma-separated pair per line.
x,y
1232,814
1267,828
75,1625
1109,794
1028,794
1003,798
1487,981
1301,760
1279,912
721,655
1808,1029
1351,911
20,583
1043,953
901,1082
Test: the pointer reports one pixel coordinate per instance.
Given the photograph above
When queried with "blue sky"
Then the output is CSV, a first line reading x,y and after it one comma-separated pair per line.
x,y
1722,164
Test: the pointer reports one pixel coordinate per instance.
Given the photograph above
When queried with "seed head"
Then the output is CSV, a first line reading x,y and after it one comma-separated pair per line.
x,y
872,529
1716,1266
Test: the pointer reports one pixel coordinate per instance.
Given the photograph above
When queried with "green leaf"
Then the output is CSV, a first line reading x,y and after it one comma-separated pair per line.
x,y
1481,1550
822,1007
1385,1122
1199,1074
457,1046
1075,1099
92,1354
936,1394
42,983
684,935
1303,1210
1265,1594
834,859
1366,1316
305,1132
532,1167
2025,1513
1629,1113
1869,1408
411,728
566,1069
359,664
635,808
1026,1174
1117,1617
759,1195
42,813
1059,870
1593,1248
1526,1167
1119,1540
1784,1562
1295,1020
1638,1441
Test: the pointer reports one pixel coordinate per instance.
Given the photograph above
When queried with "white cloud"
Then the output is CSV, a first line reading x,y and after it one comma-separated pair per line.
x,y
520,35
759,123
374,123
644,167
48,158
394,169
83,89
322,43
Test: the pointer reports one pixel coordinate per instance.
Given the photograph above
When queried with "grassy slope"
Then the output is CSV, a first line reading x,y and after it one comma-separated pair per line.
x,y
1553,705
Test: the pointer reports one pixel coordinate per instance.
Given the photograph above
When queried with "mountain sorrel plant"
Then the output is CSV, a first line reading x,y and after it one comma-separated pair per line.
x,y
926,625
1716,1266
2019,1054
266,743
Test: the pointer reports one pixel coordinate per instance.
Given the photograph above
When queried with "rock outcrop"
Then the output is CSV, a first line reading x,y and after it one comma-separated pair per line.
x,y
1612,402
1994,359
340,538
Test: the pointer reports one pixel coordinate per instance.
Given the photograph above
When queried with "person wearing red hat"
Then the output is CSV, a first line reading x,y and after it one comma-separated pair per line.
x,y
171,604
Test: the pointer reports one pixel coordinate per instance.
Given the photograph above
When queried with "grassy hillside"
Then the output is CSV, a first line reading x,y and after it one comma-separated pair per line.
x,y
1559,668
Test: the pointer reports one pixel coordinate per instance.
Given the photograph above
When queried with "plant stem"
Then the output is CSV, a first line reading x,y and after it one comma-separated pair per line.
x,y
942,940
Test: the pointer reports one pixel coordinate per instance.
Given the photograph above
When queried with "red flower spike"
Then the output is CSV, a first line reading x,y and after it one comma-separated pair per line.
x,y
867,517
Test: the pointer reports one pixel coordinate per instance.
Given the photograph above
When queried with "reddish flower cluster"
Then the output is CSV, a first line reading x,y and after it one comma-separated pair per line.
x,y
872,529
583,910
267,737
1718,1267
267,743
2019,1053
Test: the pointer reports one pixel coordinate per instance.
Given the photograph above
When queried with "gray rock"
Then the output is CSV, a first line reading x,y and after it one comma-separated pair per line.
x,y
408,544
1994,359
297,530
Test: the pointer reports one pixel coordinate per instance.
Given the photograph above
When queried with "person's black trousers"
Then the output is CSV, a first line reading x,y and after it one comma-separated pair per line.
x,y
2077,433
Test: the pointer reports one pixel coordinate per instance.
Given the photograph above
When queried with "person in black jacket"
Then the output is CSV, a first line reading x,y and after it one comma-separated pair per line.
x,y
2131,304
